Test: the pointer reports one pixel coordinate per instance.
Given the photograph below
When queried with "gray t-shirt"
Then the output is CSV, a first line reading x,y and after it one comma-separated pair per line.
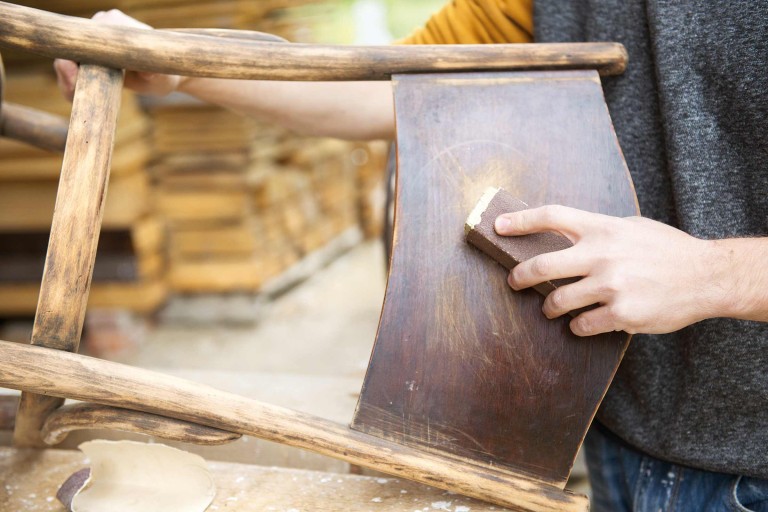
x,y
691,114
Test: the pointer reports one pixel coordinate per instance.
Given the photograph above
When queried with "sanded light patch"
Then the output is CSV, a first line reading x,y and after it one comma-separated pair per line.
x,y
475,216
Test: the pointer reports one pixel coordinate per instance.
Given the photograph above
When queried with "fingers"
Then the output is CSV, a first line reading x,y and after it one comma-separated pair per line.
x,y
574,296
597,321
118,17
66,70
66,77
548,266
567,221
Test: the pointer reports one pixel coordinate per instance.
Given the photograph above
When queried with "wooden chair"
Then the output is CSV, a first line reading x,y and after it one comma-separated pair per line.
x,y
469,388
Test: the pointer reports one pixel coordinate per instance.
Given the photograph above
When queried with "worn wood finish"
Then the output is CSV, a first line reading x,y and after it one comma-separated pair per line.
x,y
62,374
462,364
81,40
41,129
74,231
31,477
83,416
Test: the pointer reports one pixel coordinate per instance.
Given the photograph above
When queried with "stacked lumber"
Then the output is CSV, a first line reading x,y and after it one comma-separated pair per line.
x,y
130,262
244,201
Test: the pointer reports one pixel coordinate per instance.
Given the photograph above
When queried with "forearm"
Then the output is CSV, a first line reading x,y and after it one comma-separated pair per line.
x,y
346,110
740,278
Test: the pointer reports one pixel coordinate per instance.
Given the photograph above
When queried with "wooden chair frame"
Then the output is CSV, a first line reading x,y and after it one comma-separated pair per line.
x,y
121,397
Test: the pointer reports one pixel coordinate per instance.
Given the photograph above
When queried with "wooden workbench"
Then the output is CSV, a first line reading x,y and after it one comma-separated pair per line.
x,y
32,477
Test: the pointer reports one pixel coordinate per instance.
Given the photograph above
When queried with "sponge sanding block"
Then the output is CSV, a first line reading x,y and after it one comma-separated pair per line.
x,y
511,250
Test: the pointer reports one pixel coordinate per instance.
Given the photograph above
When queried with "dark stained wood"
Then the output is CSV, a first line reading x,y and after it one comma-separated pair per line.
x,y
462,364
160,51
74,231
8,406
82,416
59,373
41,129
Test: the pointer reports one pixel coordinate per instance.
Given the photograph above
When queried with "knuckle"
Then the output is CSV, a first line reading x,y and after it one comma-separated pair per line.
x,y
540,266
548,213
581,325
613,284
519,221
620,314
557,300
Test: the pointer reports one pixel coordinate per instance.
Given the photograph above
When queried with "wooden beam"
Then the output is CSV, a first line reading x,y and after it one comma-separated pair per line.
x,y
58,373
74,231
159,51
41,129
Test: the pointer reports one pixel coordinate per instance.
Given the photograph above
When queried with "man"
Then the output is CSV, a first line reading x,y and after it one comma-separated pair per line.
x,y
685,424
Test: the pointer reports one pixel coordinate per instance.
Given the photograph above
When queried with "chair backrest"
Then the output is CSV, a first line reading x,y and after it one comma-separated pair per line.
x,y
462,363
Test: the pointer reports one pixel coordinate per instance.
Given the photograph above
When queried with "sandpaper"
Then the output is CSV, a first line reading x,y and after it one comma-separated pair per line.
x,y
511,250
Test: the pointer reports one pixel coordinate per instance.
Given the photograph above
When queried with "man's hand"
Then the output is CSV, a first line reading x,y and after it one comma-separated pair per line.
x,y
647,276
143,83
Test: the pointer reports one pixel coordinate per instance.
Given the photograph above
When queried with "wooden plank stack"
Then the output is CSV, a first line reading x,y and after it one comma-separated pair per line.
x,y
130,266
244,200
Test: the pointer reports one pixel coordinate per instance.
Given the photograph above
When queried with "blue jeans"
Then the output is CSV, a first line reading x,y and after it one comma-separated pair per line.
x,y
625,480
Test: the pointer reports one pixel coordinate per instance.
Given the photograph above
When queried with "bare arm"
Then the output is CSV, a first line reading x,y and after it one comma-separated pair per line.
x,y
346,110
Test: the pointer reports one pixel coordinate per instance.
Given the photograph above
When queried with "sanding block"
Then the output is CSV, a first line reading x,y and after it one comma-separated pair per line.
x,y
511,250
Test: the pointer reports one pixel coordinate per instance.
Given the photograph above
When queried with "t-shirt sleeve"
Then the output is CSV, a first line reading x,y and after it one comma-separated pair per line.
x,y
478,22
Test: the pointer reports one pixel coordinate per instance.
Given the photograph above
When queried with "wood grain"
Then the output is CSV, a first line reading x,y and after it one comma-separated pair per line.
x,y
84,41
461,363
74,231
59,373
43,130
83,416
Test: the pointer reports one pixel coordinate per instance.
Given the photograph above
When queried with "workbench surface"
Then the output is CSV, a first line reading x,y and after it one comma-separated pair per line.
x,y
32,477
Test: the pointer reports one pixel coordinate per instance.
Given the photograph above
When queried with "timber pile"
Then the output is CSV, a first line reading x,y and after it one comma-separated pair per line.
x,y
130,265
244,200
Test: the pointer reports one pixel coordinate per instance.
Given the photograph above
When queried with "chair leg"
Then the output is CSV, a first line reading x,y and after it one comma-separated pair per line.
x,y
74,232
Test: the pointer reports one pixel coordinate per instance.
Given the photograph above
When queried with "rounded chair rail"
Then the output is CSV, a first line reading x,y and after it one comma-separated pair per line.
x,y
224,55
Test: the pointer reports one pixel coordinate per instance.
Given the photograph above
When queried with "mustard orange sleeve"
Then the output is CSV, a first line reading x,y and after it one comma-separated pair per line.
x,y
478,22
